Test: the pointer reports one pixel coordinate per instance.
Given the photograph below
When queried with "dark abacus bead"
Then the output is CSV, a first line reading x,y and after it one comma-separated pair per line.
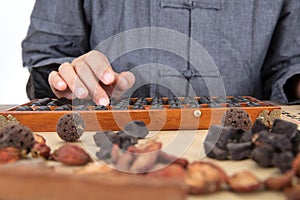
x,y
204,100
172,100
234,105
24,108
253,104
101,107
175,106
36,103
189,100
157,106
118,107
214,105
194,105
81,107
62,108
43,108
221,100
138,107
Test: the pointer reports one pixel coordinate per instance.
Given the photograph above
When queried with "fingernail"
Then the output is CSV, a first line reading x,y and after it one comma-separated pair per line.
x,y
103,101
108,77
60,85
123,82
80,92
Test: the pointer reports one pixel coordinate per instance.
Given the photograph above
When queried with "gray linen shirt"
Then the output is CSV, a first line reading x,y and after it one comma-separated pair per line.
x,y
255,44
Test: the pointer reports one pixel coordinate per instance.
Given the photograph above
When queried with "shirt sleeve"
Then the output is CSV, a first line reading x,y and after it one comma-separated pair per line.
x,y
283,58
58,33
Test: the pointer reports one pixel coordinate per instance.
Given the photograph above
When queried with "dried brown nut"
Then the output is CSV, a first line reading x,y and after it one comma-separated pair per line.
x,y
39,139
204,177
70,154
9,155
40,150
17,136
70,127
164,157
173,171
292,193
280,182
244,181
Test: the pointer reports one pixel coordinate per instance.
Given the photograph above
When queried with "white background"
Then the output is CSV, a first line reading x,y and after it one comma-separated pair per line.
x,y
14,22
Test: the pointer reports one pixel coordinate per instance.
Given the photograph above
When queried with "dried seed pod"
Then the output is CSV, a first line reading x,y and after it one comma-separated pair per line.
x,y
39,139
172,171
237,118
204,177
70,127
9,155
40,150
70,154
280,182
244,181
17,136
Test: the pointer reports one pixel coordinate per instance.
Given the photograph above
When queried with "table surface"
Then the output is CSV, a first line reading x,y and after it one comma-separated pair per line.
x,y
189,145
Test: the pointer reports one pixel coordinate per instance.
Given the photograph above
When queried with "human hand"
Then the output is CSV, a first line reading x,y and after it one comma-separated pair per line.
x,y
89,75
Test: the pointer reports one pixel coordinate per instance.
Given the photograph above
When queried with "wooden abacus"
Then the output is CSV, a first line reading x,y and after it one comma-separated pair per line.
x,y
159,113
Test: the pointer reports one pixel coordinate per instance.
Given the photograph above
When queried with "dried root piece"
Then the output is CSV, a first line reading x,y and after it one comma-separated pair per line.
x,y
280,182
204,177
70,154
144,162
244,181
17,136
164,157
172,171
293,193
9,155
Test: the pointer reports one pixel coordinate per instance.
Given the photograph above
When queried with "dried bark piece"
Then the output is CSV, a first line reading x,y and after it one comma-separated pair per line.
x,y
173,171
17,136
279,182
203,177
70,127
244,181
283,161
9,155
70,154
283,127
136,129
263,155
259,126
239,151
